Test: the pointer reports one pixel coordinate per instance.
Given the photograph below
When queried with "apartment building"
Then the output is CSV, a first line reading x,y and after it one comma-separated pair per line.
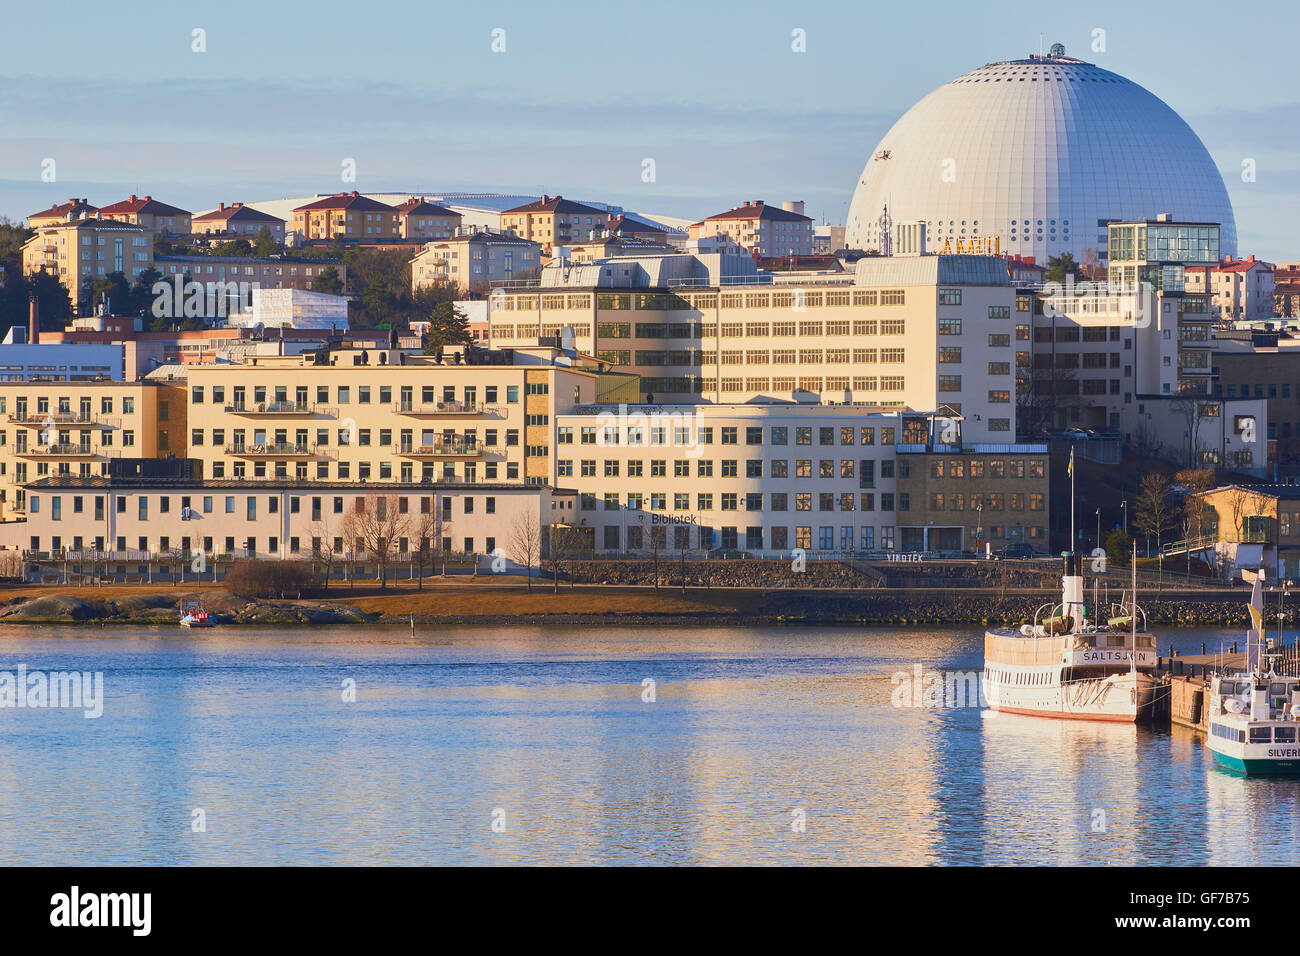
x,y
420,219
761,228
80,250
920,332
1256,526
768,478
1133,356
149,213
349,415
1241,290
553,221
229,281
237,221
972,498
346,216
76,427
122,526
475,262
62,212
755,478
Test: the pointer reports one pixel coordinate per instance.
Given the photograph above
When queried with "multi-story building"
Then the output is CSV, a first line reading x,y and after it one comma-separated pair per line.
x,y
118,527
1241,290
761,228
420,219
77,427
229,281
341,415
150,213
1255,526
346,216
765,478
61,213
1264,366
920,332
1133,356
238,221
475,262
553,221
81,250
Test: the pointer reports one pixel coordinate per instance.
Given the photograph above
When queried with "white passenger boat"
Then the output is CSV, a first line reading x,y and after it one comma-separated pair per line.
x,y
1065,665
1254,713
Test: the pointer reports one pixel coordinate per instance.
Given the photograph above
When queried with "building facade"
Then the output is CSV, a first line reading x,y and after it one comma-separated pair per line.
x,y
76,427
553,221
238,221
420,219
475,262
762,229
81,250
346,216
149,213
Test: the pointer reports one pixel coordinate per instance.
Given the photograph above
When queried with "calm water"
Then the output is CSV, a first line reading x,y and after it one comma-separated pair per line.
x,y
549,726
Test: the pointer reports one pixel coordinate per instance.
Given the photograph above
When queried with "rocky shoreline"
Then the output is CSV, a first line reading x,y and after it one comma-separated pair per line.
x,y
776,607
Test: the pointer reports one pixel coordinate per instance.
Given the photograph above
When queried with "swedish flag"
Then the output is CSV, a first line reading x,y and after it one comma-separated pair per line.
x,y
1069,469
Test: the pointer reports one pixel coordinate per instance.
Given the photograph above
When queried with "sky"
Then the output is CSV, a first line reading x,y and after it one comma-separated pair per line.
x,y
281,95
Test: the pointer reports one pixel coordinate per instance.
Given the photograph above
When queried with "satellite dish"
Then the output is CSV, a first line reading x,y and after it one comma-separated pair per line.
x,y
1057,49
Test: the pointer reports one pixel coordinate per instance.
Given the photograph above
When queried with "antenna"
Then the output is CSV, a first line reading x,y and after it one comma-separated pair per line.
x,y
1040,45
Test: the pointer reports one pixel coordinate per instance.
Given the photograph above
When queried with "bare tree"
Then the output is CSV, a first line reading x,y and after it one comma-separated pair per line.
x,y
564,543
375,524
322,546
1196,510
1191,407
526,543
1153,509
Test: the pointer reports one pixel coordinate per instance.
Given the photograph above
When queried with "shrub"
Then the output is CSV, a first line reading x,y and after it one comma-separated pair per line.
x,y
267,579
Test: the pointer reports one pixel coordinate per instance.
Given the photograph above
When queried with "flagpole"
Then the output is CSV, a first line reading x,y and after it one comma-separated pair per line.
x,y
1071,498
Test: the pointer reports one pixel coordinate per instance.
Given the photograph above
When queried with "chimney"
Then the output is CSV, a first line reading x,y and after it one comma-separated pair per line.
x,y
221,206
131,198
758,202
33,321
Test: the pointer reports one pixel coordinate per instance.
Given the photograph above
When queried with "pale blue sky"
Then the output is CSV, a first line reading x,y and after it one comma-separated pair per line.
x,y
584,92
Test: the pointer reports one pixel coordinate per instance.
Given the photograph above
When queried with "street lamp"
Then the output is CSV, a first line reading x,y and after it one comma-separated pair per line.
x,y
1099,529
1124,506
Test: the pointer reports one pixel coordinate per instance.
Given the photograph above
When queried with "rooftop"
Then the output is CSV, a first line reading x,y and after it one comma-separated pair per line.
x,y
353,201
554,204
145,204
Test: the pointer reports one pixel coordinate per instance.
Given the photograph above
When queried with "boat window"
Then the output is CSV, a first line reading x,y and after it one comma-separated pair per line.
x,y
1284,735
1276,689
1261,735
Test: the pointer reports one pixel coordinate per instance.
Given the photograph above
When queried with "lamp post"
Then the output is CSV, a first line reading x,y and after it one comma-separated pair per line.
x,y
1099,529
1124,507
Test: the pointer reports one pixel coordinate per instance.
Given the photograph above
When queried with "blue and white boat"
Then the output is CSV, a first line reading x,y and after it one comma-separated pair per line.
x,y
1254,714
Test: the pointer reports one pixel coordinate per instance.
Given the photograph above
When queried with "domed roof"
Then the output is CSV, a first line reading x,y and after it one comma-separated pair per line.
x,y
1038,153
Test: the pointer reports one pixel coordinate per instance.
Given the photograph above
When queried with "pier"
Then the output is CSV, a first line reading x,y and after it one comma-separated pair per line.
x,y
1184,680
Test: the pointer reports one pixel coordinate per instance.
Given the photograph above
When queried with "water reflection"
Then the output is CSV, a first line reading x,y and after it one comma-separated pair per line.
x,y
750,731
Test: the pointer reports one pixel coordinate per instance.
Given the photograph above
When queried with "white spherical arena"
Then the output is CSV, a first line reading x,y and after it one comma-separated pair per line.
x,y
1037,154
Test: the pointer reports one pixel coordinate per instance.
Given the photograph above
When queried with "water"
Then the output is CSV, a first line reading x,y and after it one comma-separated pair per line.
x,y
548,726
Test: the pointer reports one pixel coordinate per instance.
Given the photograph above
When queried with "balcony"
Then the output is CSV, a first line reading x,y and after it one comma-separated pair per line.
x,y
54,419
64,450
281,409
277,450
453,449
451,409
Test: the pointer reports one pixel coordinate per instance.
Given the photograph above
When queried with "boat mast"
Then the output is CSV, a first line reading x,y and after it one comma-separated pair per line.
x,y
1133,612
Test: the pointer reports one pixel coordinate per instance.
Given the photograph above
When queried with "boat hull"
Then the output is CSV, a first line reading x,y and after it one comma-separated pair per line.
x,y
1257,767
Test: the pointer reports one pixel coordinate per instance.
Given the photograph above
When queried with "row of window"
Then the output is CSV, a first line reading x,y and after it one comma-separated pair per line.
x,y
730,468
429,394
635,436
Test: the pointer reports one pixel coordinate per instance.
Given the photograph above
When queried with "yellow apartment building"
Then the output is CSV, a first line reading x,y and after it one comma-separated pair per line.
x,y
347,216
75,428
373,415
150,213
81,250
554,221
420,219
